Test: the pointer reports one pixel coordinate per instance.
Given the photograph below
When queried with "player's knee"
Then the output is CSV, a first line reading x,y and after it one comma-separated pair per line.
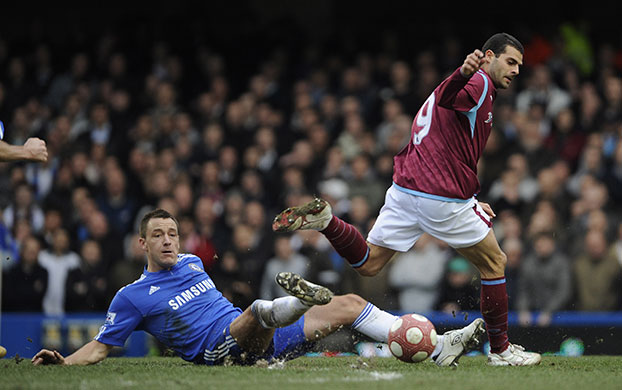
x,y
354,303
350,306
496,265
500,260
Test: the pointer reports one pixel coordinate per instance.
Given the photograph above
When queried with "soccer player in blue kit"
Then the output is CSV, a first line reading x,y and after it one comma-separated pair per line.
x,y
177,302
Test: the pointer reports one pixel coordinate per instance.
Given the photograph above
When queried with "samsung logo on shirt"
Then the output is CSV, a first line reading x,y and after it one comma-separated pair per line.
x,y
191,293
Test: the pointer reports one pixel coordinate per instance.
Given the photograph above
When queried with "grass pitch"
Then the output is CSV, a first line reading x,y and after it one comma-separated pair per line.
x,y
595,372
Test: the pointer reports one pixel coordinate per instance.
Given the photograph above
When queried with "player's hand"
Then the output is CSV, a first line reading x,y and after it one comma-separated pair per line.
x,y
36,150
45,356
487,209
472,63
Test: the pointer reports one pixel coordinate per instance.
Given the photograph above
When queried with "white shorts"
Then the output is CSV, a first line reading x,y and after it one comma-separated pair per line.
x,y
405,217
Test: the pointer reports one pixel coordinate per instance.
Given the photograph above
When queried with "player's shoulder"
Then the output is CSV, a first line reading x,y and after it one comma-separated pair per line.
x,y
480,78
479,86
188,258
134,284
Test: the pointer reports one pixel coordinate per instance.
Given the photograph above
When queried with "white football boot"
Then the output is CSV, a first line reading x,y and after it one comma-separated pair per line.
x,y
458,342
514,355
309,293
315,215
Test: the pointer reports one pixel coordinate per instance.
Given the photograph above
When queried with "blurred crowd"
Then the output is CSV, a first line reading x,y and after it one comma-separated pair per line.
x,y
225,152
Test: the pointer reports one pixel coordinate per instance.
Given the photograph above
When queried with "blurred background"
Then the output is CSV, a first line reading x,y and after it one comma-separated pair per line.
x,y
224,113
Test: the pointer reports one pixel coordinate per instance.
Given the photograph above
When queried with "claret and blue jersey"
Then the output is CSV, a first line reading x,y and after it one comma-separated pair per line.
x,y
180,307
449,134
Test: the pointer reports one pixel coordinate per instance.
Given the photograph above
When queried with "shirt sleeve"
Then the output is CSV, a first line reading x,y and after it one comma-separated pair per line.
x,y
122,318
460,93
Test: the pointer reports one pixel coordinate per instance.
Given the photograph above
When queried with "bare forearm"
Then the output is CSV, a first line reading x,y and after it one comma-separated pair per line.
x,y
12,152
90,353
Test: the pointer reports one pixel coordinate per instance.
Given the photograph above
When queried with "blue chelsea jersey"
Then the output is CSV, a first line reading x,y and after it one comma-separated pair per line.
x,y
180,306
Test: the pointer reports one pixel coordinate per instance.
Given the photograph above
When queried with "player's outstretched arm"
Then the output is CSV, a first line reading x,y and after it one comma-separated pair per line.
x,y
91,353
451,93
34,149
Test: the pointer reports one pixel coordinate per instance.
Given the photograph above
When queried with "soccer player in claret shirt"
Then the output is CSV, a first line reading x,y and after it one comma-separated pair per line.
x,y
434,187
177,302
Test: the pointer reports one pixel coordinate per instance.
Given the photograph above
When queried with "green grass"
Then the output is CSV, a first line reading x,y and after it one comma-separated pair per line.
x,y
595,372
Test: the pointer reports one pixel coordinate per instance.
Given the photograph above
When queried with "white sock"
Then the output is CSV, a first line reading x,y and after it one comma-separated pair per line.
x,y
279,312
439,346
374,323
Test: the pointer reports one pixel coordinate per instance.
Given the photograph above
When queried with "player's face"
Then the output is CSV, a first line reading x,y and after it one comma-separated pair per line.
x,y
504,68
161,244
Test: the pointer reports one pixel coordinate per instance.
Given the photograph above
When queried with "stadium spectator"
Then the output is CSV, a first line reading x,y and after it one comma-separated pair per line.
x,y
183,195
116,203
63,84
517,180
87,285
124,272
53,222
255,219
417,274
25,284
323,265
613,176
401,87
591,164
531,144
98,229
59,260
458,288
24,206
566,139
9,246
545,281
285,260
249,255
541,89
363,182
198,241
514,250
597,274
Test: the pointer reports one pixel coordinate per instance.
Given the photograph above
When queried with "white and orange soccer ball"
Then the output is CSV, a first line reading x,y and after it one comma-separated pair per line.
x,y
412,338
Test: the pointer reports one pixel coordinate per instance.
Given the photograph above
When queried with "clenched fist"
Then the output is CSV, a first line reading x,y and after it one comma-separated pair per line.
x,y
36,150
472,63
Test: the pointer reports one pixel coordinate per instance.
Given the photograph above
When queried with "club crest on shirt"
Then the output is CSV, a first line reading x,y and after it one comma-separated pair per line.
x,y
195,267
489,118
110,316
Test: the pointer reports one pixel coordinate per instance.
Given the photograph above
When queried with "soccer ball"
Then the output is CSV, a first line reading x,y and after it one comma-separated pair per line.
x,y
412,338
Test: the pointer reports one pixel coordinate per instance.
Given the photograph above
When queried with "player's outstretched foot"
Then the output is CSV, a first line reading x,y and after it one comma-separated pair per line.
x,y
460,341
314,215
308,292
514,355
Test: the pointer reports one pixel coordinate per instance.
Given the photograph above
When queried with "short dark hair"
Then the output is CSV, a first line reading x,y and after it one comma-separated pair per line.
x,y
157,213
499,41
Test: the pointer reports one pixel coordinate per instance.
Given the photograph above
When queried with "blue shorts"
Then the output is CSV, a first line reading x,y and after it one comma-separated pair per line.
x,y
287,343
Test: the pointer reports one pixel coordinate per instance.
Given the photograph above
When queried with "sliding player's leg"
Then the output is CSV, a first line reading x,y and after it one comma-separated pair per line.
x,y
243,341
353,311
253,334
249,334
